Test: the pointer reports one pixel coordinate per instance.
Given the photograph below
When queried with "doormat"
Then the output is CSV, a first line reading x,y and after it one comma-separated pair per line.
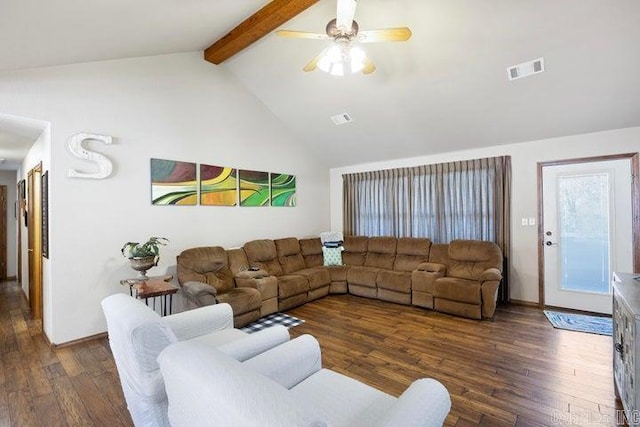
x,y
580,322
272,320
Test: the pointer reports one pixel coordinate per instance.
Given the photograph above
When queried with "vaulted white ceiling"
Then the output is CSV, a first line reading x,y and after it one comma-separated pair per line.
x,y
445,89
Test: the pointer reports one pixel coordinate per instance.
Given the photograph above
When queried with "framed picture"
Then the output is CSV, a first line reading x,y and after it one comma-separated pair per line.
x,y
22,190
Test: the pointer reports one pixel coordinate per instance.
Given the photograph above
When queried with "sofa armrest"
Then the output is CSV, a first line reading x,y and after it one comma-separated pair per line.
x,y
490,274
290,363
432,267
251,274
425,403
200,321
256,343
197,289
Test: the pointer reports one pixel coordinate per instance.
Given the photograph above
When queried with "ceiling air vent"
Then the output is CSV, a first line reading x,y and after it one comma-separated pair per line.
x,y
525,69
340,119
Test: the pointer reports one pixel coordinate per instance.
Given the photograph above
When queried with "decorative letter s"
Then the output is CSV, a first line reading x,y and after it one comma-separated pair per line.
x,y
104,164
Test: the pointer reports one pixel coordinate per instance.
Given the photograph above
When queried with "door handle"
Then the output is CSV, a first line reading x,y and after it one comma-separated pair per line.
x,y
30,250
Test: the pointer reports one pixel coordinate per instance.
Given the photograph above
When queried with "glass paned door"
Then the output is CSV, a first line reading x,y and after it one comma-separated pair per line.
x,y
584,235
587,226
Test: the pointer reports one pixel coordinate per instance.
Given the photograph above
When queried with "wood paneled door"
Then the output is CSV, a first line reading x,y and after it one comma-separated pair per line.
x,y
34,237
3,232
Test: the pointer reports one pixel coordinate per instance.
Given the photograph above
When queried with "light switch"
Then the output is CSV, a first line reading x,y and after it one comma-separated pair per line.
x,y
532,220
524,221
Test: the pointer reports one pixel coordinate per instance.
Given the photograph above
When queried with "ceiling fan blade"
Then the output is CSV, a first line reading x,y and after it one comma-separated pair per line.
x,y
369,67
301,35
398,34
313,64
345,13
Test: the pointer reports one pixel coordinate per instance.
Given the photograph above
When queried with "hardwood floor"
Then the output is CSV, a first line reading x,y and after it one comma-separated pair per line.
x,y
513,371
72,386
516,370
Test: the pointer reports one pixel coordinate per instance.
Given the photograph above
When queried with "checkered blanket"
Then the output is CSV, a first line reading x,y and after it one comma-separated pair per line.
x,y
272,320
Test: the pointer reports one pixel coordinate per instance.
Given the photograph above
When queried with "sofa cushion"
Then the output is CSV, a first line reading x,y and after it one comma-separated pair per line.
x,y
242,300
292,284
332,256
343,400
289,255
205,264
364,276
456,289
411,252
311,250
355,250
398,281
317,277
381,252
338,273
439,253
468,259
262,254
237,260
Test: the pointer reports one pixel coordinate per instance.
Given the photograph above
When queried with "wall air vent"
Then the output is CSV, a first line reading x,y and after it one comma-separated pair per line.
x,y
525,69
340,119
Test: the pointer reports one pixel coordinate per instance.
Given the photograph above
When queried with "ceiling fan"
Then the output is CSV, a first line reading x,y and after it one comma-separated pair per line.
x,y
344,31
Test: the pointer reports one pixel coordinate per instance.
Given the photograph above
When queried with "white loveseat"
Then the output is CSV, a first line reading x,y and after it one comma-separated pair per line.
x,y
286,386
138,334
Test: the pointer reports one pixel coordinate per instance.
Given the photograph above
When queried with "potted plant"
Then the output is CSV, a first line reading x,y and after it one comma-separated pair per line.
x,y
143,256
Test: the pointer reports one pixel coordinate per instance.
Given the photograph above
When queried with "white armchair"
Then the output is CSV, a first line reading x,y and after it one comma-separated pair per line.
x,y
286,386
137,335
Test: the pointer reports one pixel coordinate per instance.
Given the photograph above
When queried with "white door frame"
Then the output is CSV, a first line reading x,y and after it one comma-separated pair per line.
x,y
635,203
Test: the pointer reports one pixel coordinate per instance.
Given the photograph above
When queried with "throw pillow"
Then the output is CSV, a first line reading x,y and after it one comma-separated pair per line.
x,y
332,256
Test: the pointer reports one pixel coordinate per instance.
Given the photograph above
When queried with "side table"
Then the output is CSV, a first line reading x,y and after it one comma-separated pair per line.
x,y
153,287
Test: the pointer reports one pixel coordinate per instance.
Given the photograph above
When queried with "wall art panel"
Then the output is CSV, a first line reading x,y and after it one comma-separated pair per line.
x,y
173,182
283,189
254,188
218,186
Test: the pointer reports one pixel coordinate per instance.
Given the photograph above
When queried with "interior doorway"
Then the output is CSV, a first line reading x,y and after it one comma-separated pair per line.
x,y
586,229
3,232
34,239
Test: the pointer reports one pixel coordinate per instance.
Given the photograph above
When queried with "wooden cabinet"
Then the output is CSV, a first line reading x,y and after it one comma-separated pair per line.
x,y
626,346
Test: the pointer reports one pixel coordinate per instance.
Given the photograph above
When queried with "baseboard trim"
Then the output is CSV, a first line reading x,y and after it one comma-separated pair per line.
x,y
76,342
524,303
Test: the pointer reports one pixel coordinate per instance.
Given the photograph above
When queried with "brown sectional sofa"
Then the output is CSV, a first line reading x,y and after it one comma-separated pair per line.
x,y
265,276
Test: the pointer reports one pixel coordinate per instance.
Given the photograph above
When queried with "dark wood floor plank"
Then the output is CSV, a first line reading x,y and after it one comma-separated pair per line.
x,y
48,411
74,411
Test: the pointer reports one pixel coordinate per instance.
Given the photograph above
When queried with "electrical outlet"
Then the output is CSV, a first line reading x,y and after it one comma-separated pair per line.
x,y
524,221
532,220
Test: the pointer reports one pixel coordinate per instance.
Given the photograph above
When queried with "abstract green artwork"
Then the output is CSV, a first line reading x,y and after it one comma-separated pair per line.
x,y
173,182
218,186
283,189
254,188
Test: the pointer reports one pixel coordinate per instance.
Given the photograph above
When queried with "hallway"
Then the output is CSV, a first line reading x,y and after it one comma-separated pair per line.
x,y
70,386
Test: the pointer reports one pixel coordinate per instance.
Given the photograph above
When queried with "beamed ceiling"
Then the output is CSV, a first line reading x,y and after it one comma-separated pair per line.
x,y
445,89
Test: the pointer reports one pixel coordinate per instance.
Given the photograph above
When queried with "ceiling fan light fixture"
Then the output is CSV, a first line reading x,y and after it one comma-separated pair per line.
x,y
339,58
357,59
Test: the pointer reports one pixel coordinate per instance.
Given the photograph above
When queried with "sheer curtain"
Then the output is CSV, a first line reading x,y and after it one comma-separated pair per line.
x,y
457,200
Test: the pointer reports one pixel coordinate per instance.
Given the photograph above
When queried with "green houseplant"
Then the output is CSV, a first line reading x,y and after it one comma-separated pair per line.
x,y
143,256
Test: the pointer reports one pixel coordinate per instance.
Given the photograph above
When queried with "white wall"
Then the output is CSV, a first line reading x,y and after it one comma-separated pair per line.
x,y
173,107
8,178
523,279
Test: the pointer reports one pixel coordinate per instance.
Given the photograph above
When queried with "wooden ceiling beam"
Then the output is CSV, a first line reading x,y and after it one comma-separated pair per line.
x,y
252,29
